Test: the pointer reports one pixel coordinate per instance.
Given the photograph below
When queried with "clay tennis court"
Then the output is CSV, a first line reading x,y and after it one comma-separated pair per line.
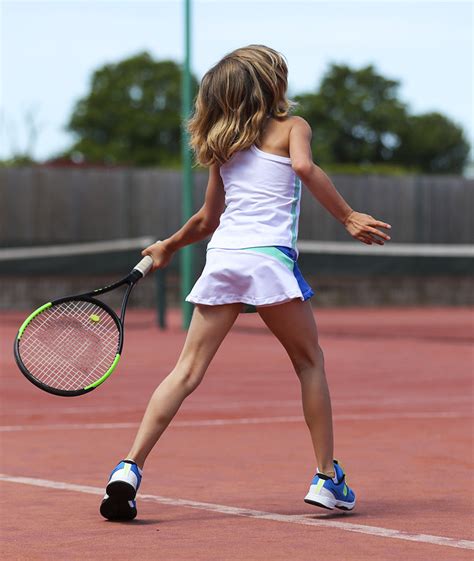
x,y
227,479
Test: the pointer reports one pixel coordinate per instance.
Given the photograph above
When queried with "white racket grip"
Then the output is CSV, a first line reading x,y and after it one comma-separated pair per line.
x,y
144,266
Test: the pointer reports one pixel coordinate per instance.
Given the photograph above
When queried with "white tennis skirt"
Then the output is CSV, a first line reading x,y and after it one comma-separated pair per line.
x,y
257,276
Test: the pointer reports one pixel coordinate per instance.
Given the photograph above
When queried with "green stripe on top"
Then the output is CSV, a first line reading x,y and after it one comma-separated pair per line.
x,y
274,252
31,317
294,218
106,375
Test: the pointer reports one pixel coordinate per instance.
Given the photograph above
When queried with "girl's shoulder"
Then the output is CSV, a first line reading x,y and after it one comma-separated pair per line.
x,y
289,120
282,126
276,136
296,120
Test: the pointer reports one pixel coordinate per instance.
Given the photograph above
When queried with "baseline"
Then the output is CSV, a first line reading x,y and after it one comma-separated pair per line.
x,y
257,514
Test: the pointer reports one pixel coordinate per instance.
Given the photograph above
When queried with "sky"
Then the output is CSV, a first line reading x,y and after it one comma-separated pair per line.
x,y
49,50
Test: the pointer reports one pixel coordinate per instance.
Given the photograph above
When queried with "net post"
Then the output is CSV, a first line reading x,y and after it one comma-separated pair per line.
x,y
186,272
160,289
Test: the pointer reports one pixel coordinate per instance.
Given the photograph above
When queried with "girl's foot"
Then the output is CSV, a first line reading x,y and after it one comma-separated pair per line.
x,y
118,502
327,492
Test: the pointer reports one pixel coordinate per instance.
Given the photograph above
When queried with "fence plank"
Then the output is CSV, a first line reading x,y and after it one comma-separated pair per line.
x,y
41,205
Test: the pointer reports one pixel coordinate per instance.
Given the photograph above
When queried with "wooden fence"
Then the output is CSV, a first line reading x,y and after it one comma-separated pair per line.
x,y
40,205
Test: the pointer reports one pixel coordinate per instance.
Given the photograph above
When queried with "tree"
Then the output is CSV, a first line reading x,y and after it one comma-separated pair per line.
x,y
132,114
357,118
433,143
32,126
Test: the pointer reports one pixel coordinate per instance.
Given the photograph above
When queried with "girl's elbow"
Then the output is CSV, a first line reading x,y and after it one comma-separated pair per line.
x,y
302,168
209,226
206,222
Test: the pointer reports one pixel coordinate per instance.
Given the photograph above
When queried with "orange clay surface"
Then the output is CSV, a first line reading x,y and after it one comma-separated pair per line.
x,y
227,479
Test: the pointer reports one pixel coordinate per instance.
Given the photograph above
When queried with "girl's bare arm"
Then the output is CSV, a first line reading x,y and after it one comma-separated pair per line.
x,y
359,225
201,225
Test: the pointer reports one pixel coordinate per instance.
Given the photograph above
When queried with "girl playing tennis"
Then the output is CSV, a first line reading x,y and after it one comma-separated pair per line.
x,y
258,157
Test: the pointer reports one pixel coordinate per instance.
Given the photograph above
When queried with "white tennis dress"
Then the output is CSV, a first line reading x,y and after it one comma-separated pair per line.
x,y
251,257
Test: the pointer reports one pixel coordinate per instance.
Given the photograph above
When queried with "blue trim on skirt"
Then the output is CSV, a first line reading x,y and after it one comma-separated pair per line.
x,y
306,290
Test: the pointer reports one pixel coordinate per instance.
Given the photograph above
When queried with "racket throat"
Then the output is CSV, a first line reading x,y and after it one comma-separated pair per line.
x,y
125,299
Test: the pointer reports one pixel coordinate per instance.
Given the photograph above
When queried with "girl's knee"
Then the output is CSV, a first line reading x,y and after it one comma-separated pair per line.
x,y
309,359
190,383
320,354
188,378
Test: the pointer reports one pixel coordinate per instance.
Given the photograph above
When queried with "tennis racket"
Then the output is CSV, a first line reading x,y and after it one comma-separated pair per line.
x,y
70,346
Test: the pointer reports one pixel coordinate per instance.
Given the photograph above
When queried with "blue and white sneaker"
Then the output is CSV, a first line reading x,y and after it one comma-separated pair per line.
x,y
329,493
119,501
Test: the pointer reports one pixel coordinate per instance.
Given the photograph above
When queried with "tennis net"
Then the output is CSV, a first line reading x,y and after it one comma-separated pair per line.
x,y
341,273
390,258
33,275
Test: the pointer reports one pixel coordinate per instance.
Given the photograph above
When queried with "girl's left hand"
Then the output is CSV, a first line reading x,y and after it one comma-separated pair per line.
x,y
363,227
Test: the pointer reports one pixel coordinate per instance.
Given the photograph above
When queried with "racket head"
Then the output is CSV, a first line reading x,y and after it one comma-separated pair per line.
x,y
69,346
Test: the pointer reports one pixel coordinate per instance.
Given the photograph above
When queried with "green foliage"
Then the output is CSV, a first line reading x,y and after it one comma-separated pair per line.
x,y
357,118
434,143
371,169
132,114
20,160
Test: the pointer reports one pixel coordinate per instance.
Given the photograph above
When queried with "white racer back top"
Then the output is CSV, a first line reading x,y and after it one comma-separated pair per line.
x,y
262,197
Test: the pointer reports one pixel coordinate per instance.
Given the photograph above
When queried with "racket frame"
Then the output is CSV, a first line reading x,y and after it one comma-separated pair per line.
x,y
130,280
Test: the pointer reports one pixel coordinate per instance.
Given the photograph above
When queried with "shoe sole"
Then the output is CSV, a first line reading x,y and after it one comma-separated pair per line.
x,y
121,490
314,503
326,502
116,506
340,507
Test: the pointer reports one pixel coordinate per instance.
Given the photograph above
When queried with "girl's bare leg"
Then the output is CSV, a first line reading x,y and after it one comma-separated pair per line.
x,y
294,325
208,328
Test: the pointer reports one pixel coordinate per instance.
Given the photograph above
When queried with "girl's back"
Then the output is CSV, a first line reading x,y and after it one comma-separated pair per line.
x,y
262,194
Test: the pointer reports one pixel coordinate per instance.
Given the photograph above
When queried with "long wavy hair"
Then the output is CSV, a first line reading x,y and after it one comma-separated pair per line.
x,y
234,100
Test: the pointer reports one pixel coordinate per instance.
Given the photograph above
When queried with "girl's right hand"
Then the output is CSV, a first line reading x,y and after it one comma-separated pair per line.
x,y
160,255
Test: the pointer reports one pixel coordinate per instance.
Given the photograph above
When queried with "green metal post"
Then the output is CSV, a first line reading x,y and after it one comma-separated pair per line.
x,y
160,289
187,191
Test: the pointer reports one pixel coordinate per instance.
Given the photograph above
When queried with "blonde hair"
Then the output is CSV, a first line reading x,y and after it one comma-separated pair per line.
x,y
234,100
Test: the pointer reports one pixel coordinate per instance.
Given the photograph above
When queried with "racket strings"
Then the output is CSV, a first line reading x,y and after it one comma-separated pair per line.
x,y
70,345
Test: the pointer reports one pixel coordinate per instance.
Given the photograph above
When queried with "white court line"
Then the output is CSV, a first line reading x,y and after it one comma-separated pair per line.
x,y
258,514
224,405
239,421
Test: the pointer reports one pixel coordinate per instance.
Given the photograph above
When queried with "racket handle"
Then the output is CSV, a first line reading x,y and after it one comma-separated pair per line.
x,y
144,266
